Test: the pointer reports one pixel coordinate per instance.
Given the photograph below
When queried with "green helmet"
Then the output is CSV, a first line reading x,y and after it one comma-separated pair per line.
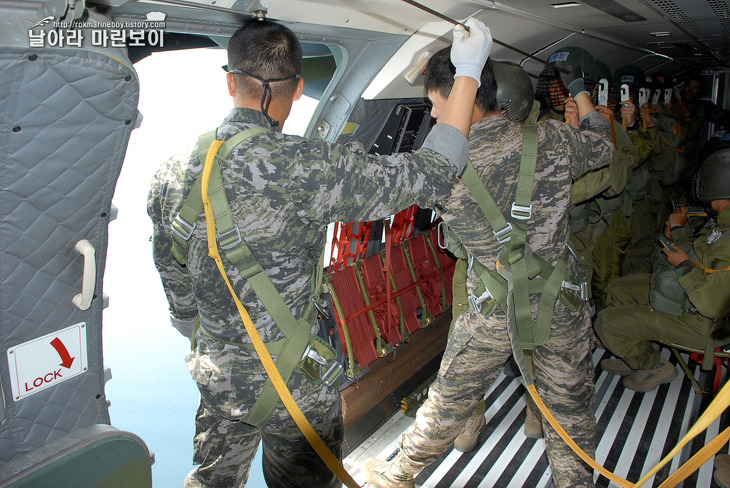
x,y
713,179
574,55
630,75
602,70
515,93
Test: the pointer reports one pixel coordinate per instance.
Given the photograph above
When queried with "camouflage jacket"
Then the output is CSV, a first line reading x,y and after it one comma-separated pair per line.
x,y
611,180
563,154
283,192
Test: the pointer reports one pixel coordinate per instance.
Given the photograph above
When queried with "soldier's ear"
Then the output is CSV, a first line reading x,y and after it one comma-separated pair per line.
x,y
300,89
231,82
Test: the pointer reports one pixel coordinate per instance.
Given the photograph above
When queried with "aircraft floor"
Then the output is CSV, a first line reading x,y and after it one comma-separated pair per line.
x,y
635,430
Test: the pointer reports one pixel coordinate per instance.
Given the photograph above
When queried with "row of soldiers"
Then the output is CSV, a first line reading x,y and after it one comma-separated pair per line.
x,y
621,208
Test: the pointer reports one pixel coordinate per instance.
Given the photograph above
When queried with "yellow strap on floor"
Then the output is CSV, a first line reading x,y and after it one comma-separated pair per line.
x,y
713,411
718,405
259,345
568,440
694,463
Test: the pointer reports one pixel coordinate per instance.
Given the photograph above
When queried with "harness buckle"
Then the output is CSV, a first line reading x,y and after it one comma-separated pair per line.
x,y
334,368
330,376
581,289
182,229
521,212
500,234
475,302
585,291
234,234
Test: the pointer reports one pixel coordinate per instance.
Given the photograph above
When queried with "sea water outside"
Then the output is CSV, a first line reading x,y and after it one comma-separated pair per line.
x,y
182,94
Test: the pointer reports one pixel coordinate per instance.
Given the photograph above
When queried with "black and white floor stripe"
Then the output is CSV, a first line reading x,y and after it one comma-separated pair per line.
x,y
635,430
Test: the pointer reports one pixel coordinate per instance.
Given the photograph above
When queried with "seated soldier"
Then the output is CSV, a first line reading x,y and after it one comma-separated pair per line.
x,y
630,322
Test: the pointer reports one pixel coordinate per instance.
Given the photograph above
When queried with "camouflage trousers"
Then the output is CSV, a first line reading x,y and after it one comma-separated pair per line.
x,y
230,379
628,324
476,352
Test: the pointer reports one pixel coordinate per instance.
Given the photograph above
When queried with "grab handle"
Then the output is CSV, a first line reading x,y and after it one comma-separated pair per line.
x,y
83,300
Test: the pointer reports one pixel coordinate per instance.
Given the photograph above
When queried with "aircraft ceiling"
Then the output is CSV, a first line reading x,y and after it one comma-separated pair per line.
x,y
671,35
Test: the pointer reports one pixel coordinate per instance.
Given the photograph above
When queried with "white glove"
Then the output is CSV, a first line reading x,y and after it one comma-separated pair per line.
x,y
470,50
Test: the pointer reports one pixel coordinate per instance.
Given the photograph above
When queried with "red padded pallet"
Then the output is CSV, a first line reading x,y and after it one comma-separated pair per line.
x,y
361,331
409,299
428,274
376,285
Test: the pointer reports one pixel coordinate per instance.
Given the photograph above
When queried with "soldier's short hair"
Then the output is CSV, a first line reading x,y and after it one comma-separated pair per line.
x,y
440,78
269,51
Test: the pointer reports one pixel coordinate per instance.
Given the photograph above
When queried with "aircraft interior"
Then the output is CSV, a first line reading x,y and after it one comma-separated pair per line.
x,y
69,94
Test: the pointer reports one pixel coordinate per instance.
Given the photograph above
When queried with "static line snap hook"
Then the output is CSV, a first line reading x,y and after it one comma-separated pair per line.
x,y
258,12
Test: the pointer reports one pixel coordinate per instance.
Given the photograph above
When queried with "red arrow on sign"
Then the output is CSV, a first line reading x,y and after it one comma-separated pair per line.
x,y
66,359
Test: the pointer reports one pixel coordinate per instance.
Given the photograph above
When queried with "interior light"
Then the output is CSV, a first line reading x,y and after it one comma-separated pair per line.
x,y
564,5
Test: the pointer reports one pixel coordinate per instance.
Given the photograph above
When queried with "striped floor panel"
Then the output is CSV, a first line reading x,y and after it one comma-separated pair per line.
x,y
635,430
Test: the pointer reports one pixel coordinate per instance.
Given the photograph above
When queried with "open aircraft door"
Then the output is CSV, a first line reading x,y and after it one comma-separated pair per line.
x,y
67,114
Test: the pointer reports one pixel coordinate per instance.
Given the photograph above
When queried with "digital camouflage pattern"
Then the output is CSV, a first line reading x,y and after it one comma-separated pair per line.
x,y
479,346
283,191
224,448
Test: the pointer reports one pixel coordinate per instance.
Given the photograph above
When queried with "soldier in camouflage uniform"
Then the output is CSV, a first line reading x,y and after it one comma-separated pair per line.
x,y
479,344
283,191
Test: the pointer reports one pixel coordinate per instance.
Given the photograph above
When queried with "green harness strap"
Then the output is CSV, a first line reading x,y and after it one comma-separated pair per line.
x,y
289,351
511,286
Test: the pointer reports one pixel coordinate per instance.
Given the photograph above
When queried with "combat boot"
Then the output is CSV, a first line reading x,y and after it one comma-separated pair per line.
x,y
533,420
397,473
616,366
647,379
722,478
722,461
467,440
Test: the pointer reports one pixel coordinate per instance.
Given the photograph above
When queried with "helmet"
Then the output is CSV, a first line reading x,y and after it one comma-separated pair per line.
x,y
660,80
629,75
574,55
568,54
602,70
515,93
713,179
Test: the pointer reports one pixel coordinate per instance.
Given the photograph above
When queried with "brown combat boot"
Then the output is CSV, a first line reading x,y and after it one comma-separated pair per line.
x,y
467,440
383,475
722,461
647,379
616,366
722,478
533,420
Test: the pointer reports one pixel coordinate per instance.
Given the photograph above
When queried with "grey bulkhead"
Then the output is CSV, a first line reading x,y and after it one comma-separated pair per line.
x,y
67,114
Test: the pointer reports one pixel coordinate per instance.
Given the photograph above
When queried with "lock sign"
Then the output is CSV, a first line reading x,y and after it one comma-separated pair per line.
x,y
46,361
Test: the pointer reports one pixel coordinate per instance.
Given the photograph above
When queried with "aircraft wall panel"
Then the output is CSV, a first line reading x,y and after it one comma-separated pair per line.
x,y
66,118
